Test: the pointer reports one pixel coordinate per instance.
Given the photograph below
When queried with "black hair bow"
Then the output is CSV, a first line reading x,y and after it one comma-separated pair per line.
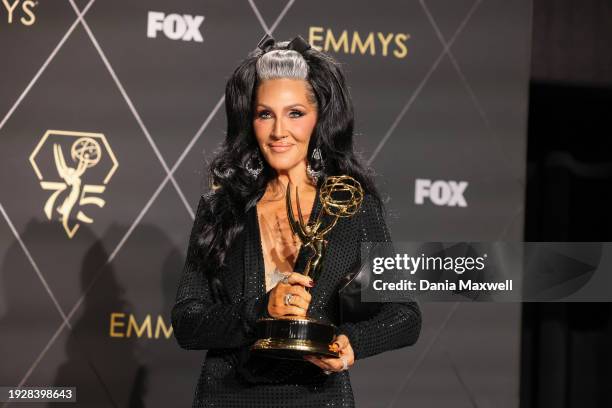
x,y
297,44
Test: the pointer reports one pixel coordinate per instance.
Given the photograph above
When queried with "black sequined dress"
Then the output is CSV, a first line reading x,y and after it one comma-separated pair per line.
x,y
233,377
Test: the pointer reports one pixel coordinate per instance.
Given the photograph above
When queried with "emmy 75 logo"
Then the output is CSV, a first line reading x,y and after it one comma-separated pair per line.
x,y
75,167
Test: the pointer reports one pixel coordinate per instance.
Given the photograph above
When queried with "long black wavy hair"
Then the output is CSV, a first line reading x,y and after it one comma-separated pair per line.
x,y
234,191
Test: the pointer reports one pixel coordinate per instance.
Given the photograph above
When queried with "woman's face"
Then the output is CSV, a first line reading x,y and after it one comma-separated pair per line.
x,y
283,121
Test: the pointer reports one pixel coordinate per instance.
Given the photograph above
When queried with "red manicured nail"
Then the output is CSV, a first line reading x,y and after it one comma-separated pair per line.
x,y
311,284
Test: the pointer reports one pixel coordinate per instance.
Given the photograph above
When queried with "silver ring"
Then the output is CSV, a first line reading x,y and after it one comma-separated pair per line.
x,y
327,372
287,299
344,363
285,279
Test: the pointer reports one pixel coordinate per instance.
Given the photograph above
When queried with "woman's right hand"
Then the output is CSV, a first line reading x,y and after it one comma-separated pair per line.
x,y
300,300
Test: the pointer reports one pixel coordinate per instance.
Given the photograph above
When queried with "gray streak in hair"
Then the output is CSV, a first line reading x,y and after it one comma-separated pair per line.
x,y
282,64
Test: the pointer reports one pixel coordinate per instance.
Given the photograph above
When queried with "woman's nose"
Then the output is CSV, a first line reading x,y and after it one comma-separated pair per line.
x,y
278,129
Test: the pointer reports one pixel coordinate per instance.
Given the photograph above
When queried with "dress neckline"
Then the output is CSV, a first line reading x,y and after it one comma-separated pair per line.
x,y
300,260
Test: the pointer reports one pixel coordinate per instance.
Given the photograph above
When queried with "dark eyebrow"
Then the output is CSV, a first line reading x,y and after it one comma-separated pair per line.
x,y
287,107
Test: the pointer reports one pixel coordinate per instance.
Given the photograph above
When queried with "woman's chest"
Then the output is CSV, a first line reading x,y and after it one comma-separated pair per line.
x,y
246,269
280,246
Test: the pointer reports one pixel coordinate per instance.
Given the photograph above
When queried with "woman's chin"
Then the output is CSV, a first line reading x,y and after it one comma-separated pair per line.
x,y
282,166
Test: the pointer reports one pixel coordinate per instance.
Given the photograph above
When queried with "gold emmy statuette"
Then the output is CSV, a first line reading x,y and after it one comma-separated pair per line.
x,y
291,337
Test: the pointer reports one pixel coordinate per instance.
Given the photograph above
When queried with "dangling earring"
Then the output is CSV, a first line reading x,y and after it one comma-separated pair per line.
x,y
254,172
315,174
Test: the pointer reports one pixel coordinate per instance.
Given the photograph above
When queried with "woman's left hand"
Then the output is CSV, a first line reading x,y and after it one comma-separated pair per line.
x,y
343,346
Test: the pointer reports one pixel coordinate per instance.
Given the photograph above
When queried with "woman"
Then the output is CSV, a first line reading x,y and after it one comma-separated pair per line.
x,y
290,120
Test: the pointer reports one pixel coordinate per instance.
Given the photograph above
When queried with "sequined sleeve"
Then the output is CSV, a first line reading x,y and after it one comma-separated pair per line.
x,y
198,321
396,324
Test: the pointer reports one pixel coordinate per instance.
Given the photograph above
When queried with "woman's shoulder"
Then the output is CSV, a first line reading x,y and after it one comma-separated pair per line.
x,y
209,201
204,203
206,209
371,205
213,205
373,219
